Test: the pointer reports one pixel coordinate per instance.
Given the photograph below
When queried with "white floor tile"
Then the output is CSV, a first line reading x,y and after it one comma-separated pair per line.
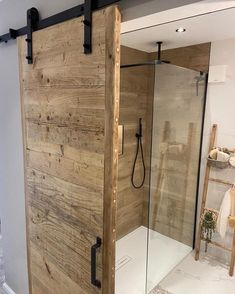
x,y
199,277
131,257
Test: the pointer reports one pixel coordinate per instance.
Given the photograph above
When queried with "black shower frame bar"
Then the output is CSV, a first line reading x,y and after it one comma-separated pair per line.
x,y
35,24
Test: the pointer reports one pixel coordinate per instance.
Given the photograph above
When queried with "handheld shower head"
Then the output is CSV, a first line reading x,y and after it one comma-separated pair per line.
x,y
199,79
140,128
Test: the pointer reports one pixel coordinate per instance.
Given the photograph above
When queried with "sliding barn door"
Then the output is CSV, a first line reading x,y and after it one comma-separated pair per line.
x,y
70,105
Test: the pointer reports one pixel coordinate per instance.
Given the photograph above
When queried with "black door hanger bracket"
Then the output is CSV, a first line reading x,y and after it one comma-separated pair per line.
x,y
34,24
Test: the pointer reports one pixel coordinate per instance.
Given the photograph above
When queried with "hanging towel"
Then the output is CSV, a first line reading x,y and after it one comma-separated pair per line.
x,y
227,208
232,194
232,161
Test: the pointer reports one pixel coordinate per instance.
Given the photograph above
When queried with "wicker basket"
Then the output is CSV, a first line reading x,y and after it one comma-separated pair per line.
x,y
218,164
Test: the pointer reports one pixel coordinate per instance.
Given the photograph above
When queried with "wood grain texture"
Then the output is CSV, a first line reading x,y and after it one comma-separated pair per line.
x,y
133,105
173,202
205,190
175,152
196,57
70,107
112,97
137,92
232,262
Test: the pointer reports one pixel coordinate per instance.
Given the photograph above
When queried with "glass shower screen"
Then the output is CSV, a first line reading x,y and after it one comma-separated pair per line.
x,y
178,108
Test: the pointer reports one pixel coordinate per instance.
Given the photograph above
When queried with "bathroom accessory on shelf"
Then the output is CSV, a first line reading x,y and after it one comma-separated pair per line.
x,y
227,209
231,219
232,161
219,157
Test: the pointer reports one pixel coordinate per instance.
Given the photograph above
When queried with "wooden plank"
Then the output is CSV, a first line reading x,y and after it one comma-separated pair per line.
x,y
45,270
218,245
232,262
71,99
112,97
67,200
75,172
73,136
62,77
70,114
205,189
85,157
221,181
63,245
231,221
90,121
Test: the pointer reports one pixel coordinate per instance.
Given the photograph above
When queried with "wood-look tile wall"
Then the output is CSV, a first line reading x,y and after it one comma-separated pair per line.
x,y
175,151
194,57
137,91
135,86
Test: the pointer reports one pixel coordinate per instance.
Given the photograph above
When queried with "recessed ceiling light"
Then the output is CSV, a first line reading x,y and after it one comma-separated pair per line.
x,y
180,30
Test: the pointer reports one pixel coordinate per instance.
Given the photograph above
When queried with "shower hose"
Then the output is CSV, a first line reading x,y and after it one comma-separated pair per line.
x,y
139,148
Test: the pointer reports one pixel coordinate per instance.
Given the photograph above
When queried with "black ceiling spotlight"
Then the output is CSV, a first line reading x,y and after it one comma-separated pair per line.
x,y
35,24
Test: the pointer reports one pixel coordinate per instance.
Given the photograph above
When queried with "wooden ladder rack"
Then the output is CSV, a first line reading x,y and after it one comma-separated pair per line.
x,y
203,208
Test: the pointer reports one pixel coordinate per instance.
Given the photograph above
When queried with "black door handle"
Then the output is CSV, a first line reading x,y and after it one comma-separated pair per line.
x,y
94,248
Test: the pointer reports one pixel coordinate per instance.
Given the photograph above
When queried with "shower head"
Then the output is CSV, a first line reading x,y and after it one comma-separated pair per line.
x,y
153,62
159,53
200,78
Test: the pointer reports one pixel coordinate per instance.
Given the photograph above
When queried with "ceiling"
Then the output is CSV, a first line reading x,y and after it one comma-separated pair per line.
x,y
200,29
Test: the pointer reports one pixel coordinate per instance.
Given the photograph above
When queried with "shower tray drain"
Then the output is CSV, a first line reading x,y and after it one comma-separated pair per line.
x,y
122,261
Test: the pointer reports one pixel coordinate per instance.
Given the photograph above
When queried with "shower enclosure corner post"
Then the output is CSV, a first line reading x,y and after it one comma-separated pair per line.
x,y
199,161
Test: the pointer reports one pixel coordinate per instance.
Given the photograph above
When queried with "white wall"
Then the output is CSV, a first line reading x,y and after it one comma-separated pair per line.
x,y
11,173
12,212
139,8
220,110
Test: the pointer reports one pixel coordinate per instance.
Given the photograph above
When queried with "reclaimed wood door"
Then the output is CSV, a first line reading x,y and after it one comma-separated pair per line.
x,y
70,105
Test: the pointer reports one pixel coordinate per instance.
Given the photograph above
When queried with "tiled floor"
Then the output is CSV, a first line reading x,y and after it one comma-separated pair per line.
x,y
199,277
159,290
195,277
164,253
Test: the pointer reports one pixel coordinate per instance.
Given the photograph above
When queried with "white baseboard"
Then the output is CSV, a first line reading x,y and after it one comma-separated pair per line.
x,y
7,290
